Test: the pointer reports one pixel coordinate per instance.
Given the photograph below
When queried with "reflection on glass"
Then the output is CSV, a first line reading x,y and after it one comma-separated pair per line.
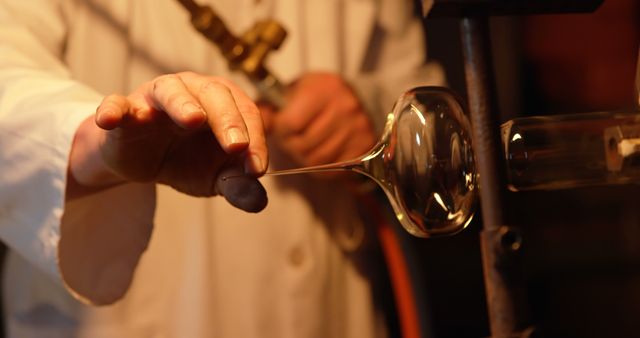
x,y
423,162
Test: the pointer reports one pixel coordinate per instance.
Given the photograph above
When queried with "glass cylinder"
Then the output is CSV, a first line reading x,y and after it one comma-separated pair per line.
x,y
566,151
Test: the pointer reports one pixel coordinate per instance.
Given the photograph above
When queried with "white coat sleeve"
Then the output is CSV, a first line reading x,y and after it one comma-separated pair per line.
x,y
396,60
91,245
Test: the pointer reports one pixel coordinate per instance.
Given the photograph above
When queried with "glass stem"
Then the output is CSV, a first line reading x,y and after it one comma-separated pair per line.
x,y
352,165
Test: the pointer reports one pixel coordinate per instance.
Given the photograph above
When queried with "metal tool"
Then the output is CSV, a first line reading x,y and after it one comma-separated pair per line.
x,y
247,53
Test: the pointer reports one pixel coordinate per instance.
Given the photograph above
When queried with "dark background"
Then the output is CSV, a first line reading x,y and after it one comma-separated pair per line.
x,y
581,246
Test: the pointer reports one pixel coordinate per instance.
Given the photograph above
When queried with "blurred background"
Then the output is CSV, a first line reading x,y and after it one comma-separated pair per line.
x,y
581,246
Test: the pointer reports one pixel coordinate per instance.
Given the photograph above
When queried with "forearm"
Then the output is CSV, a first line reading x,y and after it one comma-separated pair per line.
x,y
45,116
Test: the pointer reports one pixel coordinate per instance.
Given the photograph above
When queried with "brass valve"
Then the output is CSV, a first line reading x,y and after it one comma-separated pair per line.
x,y
246,54
262,38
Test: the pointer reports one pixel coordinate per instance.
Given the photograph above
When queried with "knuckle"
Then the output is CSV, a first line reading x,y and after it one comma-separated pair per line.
x,y
298,147
331,81
111,101
214,85
291,147
296,125
250,109
228,121
351,103
161,81
224,81
187,73
111,97
175,99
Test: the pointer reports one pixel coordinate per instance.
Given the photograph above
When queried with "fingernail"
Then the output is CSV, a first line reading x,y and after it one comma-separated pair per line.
x,y
235,136
191,110
253,165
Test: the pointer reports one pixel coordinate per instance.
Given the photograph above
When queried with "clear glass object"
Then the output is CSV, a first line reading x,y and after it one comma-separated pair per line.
x,y
423,162
567,151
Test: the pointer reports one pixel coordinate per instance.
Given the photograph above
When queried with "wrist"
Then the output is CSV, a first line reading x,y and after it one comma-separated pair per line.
x,y
87,171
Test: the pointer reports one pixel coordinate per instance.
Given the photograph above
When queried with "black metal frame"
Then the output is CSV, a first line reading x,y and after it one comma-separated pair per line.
x,y
507,304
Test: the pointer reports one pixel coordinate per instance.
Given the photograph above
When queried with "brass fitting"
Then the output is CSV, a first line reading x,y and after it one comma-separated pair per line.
x,y
262,38
247,53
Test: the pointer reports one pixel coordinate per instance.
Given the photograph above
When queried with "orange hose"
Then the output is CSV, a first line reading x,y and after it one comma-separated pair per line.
x,y
399,273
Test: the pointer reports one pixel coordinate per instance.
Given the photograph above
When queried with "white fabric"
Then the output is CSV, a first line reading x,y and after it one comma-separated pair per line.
x,y
208,270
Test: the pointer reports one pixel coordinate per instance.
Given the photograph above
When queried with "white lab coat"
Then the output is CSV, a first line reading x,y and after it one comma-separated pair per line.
x,y
181,266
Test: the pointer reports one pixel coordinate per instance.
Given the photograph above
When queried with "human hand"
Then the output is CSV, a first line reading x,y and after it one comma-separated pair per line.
x,y
184,130
323,121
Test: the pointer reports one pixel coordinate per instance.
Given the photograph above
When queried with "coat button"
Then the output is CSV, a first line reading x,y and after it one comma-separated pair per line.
x,y
350,236
296,256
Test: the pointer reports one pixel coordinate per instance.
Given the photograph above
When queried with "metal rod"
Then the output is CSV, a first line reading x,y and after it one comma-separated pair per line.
x,y
500,244
190,5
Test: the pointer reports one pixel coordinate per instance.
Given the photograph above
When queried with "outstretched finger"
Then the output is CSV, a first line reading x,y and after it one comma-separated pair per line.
x,y
233,117
110,113
169,94
223,115
257,158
